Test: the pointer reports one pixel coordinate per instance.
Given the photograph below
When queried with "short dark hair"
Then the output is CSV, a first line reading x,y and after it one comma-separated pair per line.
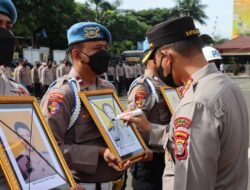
x,y
186,48
20,125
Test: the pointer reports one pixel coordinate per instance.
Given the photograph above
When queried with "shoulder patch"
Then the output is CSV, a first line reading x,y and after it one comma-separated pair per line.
x,y
140,98
182,122
55,103
180,148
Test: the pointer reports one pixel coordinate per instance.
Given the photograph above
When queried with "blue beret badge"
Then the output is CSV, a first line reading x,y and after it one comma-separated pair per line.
x,y
91,32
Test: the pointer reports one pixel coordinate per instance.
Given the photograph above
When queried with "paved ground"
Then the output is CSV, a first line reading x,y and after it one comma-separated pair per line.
x,y
244,84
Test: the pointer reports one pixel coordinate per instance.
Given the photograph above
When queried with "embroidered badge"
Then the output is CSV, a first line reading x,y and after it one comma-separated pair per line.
x,y
182,122
54,103
182,134
180,148
140,98
91,32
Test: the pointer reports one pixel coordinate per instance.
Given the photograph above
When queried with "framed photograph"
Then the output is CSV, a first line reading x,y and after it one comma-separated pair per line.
x,y
171,97
29,155
123,140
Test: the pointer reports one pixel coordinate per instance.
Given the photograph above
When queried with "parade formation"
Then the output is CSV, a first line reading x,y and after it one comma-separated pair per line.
x,y
195,136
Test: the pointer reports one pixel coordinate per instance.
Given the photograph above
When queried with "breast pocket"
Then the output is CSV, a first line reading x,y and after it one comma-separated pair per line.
x,y
85,128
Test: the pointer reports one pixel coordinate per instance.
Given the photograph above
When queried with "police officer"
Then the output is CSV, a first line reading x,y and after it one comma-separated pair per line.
x,y
209,129
145,94
8,86
47,76
212,55
81,143
35,80
23,75
120,77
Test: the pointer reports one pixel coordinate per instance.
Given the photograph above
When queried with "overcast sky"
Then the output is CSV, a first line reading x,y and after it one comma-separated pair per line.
x,y
219,12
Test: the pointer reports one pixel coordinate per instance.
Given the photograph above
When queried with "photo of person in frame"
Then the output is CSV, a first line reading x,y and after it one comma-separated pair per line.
x,y
32,165
119,131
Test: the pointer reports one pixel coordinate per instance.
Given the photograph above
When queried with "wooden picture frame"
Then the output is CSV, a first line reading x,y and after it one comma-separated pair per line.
x,y
29,155
123,140
171,97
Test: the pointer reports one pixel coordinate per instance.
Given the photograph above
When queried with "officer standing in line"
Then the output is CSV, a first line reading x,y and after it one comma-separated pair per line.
x,y
59,70
23,75
111,73
47,77
82,145
209,130
120,77
145,94
212,55
35,80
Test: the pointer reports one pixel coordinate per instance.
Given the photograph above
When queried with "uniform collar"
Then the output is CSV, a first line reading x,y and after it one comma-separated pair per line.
x,y
83,83
204,71
148,73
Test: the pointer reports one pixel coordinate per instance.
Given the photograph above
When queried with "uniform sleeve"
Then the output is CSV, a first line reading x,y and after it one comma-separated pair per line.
x,y
57,113
196,147
156,135
141,98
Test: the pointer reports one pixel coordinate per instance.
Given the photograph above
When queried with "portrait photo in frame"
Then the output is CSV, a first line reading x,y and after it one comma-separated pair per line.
x,y
171,97
123,140
29,155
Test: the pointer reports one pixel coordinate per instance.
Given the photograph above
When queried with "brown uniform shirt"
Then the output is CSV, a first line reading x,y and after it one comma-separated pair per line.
x,y
141,96
80,144
9,88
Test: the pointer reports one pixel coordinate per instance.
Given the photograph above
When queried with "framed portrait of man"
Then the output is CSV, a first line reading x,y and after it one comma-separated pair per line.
x,y
29,155
171,97
123,140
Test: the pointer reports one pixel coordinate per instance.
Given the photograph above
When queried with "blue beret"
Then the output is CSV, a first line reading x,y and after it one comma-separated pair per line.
x,y
8,8
87,31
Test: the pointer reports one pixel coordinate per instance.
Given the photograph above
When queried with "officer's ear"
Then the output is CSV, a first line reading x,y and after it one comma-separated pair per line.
x,y
167,56
75,54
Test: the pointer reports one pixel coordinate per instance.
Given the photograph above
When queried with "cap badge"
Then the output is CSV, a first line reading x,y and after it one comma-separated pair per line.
x,y
192,32
91,32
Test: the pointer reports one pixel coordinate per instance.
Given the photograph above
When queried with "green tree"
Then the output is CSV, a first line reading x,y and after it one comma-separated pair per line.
x,y
126,30
151,16
193,8
55,17
101,6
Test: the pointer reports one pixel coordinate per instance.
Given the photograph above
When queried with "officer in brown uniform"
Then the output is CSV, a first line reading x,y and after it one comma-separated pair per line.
x,y
7,86
80,141
145,94
209,129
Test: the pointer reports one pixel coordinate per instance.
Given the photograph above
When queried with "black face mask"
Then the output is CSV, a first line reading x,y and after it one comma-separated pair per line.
x,y
168,80
99,61
7,45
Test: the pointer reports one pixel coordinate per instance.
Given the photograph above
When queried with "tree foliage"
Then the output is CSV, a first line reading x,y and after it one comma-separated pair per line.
x,y
47,21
